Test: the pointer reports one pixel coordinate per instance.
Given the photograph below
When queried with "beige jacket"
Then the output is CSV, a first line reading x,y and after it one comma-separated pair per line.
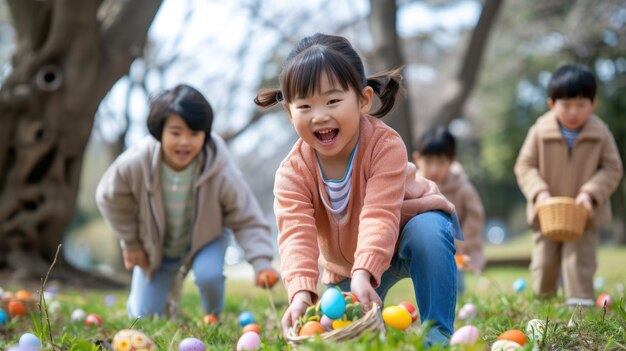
x,y
458,189
130,200
592,166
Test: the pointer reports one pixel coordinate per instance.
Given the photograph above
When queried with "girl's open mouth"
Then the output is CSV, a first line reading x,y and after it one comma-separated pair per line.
x,y
326,135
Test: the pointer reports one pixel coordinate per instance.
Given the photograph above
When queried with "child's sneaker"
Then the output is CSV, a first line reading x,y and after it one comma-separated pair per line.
x,y
574,301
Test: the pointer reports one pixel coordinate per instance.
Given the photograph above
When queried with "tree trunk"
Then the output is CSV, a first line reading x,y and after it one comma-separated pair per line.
x,y
69,54
387,55
463,85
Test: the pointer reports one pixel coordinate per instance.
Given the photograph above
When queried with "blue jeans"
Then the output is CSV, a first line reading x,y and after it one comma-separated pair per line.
x,y
148,297
426,255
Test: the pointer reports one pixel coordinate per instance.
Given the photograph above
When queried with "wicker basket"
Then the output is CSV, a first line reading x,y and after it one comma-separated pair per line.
x,y
30,305
562,219
371,322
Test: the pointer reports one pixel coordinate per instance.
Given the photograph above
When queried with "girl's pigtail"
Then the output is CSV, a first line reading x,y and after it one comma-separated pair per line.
x,y
268,97
387,86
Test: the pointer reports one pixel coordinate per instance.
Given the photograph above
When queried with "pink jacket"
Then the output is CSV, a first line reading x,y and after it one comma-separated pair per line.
x,y
384,196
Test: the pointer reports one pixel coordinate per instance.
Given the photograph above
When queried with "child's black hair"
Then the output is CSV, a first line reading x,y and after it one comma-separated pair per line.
x,y
572,81
333,56
437,141
184,101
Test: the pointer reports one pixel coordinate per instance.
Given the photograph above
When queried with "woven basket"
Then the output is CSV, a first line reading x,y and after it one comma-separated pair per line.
x,y
30,305
562,219
371,322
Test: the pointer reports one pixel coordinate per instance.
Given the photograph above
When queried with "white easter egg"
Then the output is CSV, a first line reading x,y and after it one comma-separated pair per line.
x,y
468,311
465,335
505,345
535,329
78,315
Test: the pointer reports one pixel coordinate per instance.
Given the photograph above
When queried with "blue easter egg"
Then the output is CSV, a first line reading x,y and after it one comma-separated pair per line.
x,y
519,285
4,318
246,318
28,340
333,304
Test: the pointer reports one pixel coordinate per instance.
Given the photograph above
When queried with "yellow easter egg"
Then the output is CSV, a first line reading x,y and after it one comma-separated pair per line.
x,y
338,324
397,317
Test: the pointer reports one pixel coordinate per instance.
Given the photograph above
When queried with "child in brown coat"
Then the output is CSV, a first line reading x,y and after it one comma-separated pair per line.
x,y
569,152
435,160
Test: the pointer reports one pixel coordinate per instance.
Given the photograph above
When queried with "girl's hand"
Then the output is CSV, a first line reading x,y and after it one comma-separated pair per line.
x,y
541,197
301,301
266,278
361,287
585,200
134,258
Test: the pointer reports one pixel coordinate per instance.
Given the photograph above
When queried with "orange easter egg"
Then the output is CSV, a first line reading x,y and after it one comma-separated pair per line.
x,y
267,278
16,308
209,319
513,335
23,295
251,327
311,328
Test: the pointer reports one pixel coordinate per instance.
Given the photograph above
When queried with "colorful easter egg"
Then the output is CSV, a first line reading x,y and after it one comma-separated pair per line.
x,y
339,323
16,308
252,327
467,312
519,285
514,335
29,341
191,344
245,318
249,341
326,322
604,300
410,308
311,328
4,317
535,329
505,345
209,319
93,320
332,303
467,334
78,315
132,340
54,307
267,278
397,317
598,283
22,295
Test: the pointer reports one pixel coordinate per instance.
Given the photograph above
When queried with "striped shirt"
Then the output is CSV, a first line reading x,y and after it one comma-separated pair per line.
x,y
339,190
570,135
176,188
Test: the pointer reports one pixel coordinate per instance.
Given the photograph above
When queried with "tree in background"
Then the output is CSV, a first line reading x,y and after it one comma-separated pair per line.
x,y
69,53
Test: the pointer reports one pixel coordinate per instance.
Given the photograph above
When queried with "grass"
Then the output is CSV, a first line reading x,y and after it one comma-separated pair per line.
x,y
499,309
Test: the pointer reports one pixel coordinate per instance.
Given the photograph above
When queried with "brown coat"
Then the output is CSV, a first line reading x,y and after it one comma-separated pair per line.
x,y
593,165
458,189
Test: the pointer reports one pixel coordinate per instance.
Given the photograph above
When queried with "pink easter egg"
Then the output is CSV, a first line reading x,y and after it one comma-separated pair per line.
x,y
465,335
604,298
249,341
326,322
505,345
468,311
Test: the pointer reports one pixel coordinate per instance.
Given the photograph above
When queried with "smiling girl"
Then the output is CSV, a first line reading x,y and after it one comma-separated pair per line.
x,y
347,196
172,200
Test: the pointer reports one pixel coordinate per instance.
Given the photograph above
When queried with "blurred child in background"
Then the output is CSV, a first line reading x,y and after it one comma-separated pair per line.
x,y
435,160
170,200
569,152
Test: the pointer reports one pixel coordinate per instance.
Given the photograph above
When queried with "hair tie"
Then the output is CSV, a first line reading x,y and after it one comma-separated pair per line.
x,y
279,96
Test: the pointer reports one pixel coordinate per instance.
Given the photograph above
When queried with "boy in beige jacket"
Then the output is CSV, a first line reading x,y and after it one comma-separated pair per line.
x,y
569,152
435,160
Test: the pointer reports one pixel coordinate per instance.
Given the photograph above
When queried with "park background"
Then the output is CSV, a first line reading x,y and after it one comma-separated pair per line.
x,y
76,75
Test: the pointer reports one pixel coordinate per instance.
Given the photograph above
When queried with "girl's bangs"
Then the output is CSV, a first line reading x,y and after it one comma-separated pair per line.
x,y
304,75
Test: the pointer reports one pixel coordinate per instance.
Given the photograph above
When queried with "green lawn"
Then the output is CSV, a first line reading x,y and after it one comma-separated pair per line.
x,y
499,309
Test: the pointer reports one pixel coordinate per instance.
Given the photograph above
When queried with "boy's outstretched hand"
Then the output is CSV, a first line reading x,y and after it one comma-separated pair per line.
x,y
266,278
134,258
301,301
361,287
